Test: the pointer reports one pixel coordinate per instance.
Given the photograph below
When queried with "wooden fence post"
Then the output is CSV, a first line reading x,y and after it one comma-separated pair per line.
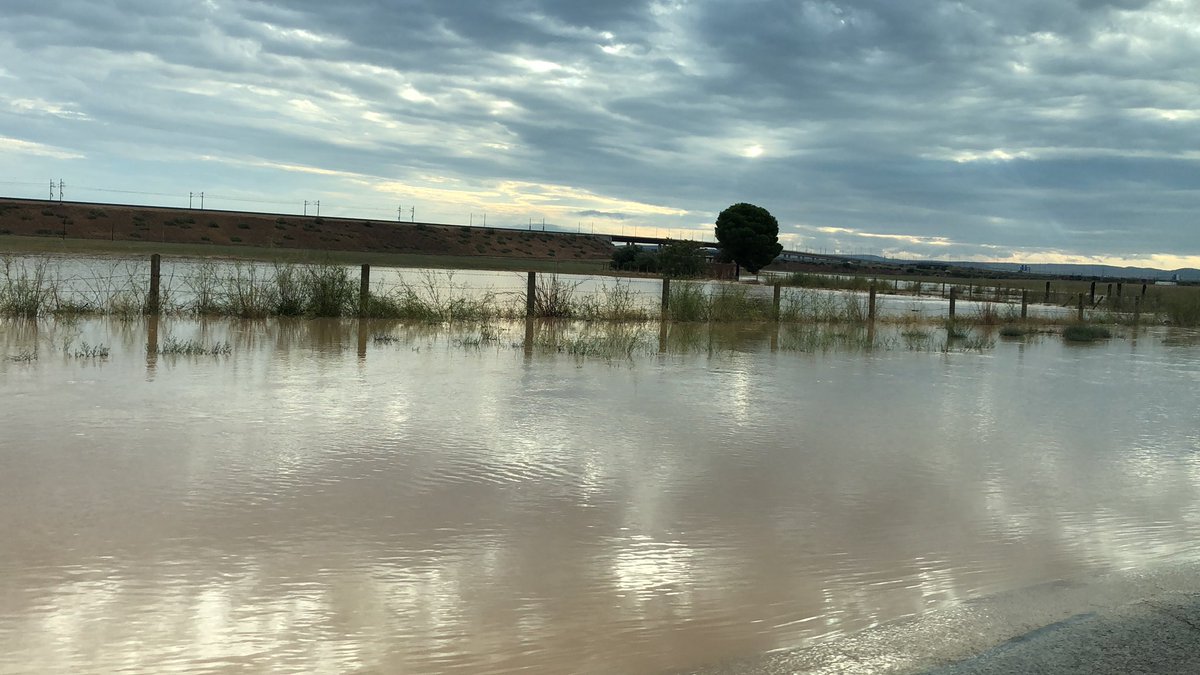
x,y
871,304
1047,298
152,300
666,297
364,290
1081,306
953,297
1024,303
775,301
531,295
1092,295
1137,309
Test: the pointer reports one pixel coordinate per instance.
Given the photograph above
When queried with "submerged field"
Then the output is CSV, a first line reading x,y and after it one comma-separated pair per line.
x,y
32,286
189,493
437,472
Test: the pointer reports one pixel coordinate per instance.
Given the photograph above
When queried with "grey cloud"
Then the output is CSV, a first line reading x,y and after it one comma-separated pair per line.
x,y
860,104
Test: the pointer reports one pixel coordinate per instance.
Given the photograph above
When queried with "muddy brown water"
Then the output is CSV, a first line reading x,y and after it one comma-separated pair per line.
x,y
317,502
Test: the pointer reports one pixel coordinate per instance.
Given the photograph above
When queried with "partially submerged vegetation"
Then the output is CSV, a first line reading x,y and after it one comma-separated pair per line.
x,y
172,346
1085,332
33,287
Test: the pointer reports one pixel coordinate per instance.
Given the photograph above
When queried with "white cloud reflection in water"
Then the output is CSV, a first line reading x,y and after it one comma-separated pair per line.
x,y
435,508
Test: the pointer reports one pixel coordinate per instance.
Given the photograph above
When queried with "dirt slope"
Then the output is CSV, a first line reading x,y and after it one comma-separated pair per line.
x,y
188,226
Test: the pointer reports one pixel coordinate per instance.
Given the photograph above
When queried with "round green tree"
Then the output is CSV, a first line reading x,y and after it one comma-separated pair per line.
x,y
749,236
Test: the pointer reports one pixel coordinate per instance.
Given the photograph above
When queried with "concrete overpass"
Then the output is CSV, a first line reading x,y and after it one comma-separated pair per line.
x,y
785,256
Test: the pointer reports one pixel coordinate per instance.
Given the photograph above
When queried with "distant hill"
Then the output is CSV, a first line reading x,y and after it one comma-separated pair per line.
x,y
1053,269
1065,269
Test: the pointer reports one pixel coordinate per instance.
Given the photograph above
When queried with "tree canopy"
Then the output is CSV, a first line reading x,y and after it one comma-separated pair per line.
x,y
749,236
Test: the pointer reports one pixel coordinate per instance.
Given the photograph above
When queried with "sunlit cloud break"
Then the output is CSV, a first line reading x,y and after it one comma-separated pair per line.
x,y
1059,128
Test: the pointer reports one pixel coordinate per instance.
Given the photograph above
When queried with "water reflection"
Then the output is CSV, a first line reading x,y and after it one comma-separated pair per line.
x,y
549,497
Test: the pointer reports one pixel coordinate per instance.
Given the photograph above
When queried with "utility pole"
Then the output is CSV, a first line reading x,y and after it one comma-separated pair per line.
x,y
399,213
306,207
412,214
318,203
61,185
51,189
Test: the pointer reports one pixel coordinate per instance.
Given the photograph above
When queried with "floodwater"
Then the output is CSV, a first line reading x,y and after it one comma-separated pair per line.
x,y
97,281
334,497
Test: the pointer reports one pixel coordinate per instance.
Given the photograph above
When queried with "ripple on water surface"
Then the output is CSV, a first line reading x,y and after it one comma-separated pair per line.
x,y
316,501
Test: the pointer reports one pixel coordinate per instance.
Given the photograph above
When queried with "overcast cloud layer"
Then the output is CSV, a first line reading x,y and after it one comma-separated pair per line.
x,y
1036,130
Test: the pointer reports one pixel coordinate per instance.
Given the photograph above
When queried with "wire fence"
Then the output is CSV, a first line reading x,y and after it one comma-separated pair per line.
x,y
40,285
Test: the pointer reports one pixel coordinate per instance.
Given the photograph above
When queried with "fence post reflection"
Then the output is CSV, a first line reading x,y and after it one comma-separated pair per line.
x,y
151,344
529,336
362,340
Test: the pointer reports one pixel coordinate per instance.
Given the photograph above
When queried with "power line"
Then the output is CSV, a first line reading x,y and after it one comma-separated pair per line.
x,y
129,192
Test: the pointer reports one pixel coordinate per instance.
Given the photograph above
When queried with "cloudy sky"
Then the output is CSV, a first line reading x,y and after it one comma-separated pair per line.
x,y
1031,130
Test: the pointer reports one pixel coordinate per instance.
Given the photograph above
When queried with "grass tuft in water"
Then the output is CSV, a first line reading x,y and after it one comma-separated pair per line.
x,y
1085,332
25,290
86,350
172,346
1182,310
1012,330
554,297
720,303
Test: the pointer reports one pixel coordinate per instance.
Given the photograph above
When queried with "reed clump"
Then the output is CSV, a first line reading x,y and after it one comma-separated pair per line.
x,y
615,302
172,346
823,307
719,303
1182,309
433,298
1012,330
1085,332
555,297
25,290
